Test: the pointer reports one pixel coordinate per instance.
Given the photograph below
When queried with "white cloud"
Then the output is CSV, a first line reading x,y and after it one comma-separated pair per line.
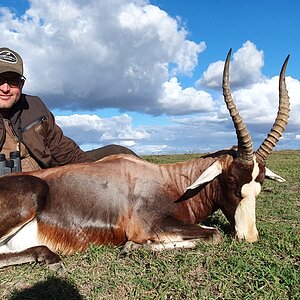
x,y
128,54
96,54
152,149
208,128
245,68
293,86
127,143
258,104
150,24
178,101
255,95
93,130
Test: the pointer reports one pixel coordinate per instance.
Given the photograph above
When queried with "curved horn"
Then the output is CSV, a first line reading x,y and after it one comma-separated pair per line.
x,y
245,148
281,120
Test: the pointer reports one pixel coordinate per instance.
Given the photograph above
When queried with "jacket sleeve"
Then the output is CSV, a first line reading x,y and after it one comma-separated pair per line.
x,y
63,149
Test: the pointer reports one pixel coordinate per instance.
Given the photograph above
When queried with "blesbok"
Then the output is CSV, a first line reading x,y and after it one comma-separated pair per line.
x,y
124,200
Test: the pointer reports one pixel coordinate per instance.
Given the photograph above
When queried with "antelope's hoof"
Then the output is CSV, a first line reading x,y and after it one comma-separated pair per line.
x,y
57,267
45,255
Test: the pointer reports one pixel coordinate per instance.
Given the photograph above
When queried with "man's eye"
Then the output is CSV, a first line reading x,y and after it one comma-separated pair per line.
x,y
11,82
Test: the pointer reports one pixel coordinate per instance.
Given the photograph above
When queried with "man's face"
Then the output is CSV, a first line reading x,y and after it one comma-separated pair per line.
x,y
11,85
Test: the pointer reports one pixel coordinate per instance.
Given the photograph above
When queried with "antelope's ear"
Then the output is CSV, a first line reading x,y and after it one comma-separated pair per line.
x,y
209,174
271,175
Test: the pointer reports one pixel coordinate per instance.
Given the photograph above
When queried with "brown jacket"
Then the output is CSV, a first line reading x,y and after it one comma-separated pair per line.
x,y
35,127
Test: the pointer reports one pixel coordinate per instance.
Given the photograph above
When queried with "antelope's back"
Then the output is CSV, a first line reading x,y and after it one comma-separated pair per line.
x,y
102,191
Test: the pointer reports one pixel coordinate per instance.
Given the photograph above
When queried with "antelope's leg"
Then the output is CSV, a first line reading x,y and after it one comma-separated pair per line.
x,y
39,254
170,229
157,246
170,233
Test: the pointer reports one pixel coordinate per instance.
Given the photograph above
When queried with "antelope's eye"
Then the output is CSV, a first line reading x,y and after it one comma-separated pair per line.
x,y
238,193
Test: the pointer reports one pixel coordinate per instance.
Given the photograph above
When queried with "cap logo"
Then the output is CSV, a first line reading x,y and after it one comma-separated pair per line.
x,y
8,57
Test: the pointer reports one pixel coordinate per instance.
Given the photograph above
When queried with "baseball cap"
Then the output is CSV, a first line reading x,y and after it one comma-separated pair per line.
x,y
10,61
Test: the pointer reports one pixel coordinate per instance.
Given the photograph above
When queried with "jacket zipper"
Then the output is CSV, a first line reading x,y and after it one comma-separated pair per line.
x,y
3,136
43,118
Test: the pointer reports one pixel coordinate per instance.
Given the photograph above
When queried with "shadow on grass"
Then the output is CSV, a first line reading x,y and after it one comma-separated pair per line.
x,y
53,288
218,220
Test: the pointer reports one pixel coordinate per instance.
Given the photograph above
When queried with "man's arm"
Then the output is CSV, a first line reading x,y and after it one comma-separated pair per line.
x,y
63,149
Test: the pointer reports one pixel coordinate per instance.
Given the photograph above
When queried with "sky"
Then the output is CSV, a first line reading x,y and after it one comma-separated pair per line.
x,y
147,74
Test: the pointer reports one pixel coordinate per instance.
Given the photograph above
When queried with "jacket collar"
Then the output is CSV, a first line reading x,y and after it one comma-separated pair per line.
x,y
17,109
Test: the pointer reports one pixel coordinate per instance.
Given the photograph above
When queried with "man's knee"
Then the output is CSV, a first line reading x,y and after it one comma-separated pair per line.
x,y
99,153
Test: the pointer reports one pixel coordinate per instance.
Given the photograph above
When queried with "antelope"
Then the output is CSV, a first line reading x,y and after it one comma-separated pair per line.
x,y
125,200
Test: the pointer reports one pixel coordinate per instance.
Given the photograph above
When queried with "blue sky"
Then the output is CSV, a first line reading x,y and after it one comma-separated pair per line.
x,y
147,74
273,25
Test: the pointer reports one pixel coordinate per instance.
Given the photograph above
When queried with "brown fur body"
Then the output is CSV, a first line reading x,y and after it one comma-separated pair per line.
x,y
121,198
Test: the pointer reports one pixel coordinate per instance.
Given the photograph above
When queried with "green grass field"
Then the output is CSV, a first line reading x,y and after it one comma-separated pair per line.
x,y
268,269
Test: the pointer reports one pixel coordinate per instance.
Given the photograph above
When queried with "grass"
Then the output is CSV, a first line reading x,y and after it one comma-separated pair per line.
x,y
268,269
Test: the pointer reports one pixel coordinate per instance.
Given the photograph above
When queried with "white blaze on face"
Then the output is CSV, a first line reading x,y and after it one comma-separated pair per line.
x,y
245,226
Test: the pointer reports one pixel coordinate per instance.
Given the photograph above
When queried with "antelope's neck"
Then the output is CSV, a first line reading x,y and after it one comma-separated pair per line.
x,y
196,206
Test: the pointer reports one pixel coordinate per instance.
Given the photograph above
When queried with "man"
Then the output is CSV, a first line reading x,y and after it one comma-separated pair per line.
x,y
26,124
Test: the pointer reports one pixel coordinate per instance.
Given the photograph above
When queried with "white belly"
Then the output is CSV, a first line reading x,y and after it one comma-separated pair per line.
x,y
25,238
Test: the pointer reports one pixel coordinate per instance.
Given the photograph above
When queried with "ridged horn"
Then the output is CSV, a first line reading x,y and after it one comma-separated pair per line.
x,y
245,147
281,120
